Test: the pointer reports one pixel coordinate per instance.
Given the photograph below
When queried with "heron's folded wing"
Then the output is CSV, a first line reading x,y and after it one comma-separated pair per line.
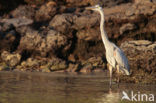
x,y
121,58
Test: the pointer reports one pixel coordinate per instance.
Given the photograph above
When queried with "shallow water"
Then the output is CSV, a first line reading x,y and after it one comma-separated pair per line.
x,y
21,87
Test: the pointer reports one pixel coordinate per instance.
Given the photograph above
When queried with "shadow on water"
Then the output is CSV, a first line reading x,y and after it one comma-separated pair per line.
x,y
20,87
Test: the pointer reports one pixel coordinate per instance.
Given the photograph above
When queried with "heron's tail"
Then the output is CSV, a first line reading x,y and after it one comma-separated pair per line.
x,y
125,71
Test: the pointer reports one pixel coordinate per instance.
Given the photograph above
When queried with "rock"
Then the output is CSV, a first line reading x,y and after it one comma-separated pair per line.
x,y
127,27
80,22
98,70
62,23
141,55
53,42
130,12
11,59
58,64
42,43
45,68
74,67
142,60
9,40
5,26
92,64
35,2
106,3
17,22
142,1
35,64
88,34
46,12
31,62
23,11
55,39
154,1
4,66
34,39
87,68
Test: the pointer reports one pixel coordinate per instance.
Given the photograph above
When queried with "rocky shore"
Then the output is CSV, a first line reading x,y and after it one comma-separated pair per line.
x,y
61,36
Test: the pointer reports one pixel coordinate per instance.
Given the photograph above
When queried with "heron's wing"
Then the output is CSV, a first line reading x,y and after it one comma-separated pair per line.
x,y
110,59
120,58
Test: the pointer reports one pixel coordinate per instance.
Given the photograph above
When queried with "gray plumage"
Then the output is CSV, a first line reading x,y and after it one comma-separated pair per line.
x,y
114,55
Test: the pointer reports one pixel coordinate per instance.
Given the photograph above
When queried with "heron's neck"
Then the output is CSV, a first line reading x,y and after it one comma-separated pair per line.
x,y
103,33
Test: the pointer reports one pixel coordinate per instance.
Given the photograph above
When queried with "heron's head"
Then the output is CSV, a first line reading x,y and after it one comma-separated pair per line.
x,y
95,8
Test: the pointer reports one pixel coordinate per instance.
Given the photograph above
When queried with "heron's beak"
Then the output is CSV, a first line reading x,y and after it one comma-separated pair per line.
x,y
90,8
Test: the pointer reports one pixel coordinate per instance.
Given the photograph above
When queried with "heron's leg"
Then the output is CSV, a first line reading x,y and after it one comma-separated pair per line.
x,y
118,80
110,71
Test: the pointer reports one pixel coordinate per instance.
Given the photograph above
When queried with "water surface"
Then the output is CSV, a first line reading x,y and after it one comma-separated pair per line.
x,y
21,87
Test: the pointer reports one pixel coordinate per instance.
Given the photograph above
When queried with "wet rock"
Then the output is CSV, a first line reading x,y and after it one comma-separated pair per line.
x,y
17,22
74,67
45,68
35,64
127,27
42,64
98,70
87,68
92,64
23,11
58,64
46,12
31,64
4,66
11,59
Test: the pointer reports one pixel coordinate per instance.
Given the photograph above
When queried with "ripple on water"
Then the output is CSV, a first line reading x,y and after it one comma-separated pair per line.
x,y
21,87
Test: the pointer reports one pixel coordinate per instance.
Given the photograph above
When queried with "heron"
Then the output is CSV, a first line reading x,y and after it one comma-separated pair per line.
x,y
114,55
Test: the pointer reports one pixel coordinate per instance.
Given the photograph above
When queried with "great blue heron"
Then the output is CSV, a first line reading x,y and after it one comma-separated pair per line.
x,y
114,55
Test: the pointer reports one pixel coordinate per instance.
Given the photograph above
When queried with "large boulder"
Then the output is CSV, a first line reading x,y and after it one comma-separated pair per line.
x,y
62,22
41,43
